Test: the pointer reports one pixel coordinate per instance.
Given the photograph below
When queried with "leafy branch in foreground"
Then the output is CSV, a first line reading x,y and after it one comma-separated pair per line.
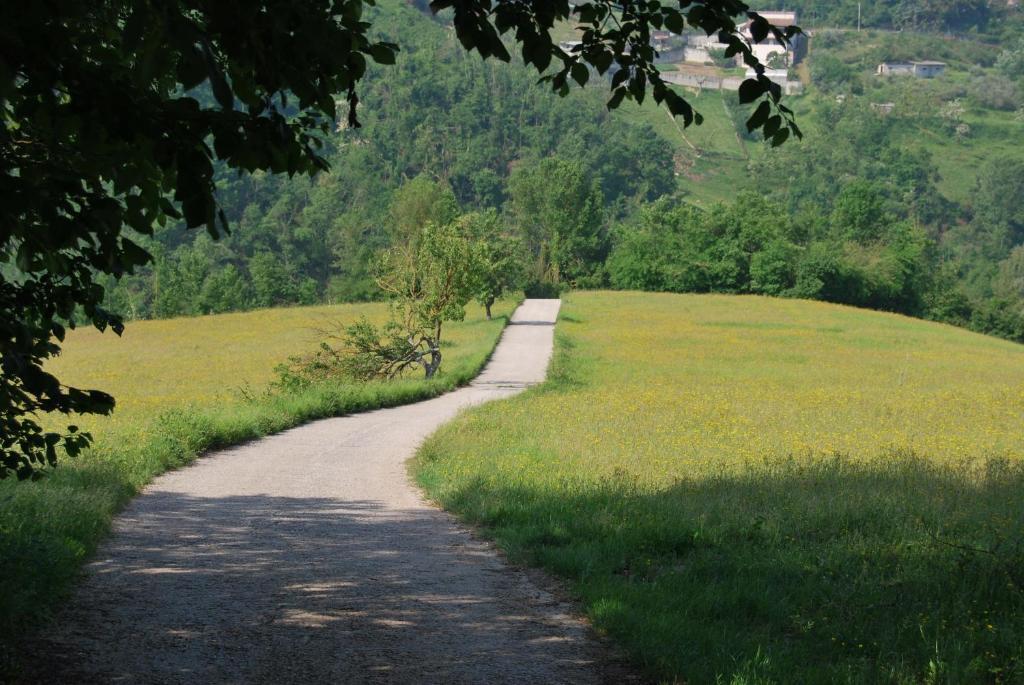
x,y
615,38
104,137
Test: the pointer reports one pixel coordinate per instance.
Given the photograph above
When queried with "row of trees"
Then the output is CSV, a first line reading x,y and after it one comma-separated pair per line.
x,y
116,114
755,246
861,224
557,220
573,194
857,219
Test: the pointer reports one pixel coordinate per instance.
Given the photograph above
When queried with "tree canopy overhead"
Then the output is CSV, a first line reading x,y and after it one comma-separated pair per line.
x,y
105,134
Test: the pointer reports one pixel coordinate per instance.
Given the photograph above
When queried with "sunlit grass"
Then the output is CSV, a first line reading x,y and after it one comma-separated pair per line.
x,y
756,488
177,386
206,361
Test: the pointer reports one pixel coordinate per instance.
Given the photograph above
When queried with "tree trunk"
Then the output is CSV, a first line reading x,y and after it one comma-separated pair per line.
x,y
430,367
487,307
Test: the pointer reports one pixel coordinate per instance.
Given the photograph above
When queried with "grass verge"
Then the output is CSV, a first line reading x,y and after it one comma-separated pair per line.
x,y
50,527
746,490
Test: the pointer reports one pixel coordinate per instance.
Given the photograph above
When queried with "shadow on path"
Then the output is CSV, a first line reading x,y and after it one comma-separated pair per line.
x,y
259,595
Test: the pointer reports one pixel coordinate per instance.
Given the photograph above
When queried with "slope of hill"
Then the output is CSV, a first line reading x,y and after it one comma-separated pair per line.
x,y
178,384
764,490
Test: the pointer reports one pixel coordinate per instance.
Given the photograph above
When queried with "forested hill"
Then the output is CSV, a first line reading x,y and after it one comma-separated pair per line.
x,y
914,211
440,112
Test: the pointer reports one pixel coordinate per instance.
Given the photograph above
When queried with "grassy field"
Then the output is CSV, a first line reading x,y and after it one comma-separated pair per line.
x,y
751,490
177,385
157,365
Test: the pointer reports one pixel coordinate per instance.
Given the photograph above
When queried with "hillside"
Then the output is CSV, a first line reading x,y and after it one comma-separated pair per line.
x,y
762,490
439,113
843,62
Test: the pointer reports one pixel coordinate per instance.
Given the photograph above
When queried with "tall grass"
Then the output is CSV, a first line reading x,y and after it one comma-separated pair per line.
x,y
748,490
50,527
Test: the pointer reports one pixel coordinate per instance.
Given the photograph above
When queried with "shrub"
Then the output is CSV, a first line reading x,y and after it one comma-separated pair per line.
x,y
995,92
773,269
1011,61
543,289
832,74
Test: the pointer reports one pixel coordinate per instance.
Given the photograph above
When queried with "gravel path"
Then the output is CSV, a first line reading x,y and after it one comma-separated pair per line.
x,y
307,557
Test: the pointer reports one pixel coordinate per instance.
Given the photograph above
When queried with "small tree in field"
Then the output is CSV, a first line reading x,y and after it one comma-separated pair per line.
x,y
498,267
429,279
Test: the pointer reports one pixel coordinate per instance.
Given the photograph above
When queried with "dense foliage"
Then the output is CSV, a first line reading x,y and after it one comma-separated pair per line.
x,y
100,144
858,221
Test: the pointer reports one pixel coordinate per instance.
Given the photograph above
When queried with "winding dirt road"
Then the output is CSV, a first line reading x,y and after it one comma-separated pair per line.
x,y
307,557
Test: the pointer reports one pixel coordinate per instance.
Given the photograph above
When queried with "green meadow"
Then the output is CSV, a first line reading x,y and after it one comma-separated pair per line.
x,y
749,490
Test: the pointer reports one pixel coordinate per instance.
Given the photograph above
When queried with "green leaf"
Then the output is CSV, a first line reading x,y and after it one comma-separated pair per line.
x,y
616,99
674,21
383,53
638,87
133,255
750,90
780,137
580,73
218,82
24,259
759,28
621,75
759,116
601,61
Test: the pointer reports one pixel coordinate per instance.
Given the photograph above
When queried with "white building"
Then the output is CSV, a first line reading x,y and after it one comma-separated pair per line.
x,y
764,49
928,68
697,46
921,69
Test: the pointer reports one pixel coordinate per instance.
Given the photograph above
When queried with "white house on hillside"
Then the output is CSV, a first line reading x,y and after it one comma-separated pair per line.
x,y
698,46
770,46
